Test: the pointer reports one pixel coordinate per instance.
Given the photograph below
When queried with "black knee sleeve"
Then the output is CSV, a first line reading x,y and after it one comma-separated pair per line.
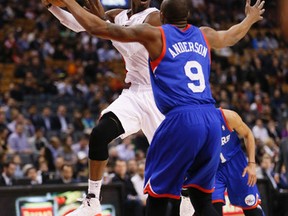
x,y
108,128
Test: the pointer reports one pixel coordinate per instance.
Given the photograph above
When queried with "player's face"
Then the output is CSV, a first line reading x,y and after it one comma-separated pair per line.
x,y
140,5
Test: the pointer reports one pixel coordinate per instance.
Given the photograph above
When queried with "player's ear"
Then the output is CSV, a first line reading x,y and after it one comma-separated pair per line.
x,y
162,17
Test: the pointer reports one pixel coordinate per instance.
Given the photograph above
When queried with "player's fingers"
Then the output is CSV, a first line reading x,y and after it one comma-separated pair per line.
x,y
244,172
261,5
257,3
87,4
262,11
248,2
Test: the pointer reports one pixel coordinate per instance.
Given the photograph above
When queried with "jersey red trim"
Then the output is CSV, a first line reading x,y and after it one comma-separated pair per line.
x,y
208,45
252,207
149,190
199,188
225,120
157,61
218,201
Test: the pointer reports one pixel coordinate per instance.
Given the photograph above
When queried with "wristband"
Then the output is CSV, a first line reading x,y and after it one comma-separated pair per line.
x,y
251,162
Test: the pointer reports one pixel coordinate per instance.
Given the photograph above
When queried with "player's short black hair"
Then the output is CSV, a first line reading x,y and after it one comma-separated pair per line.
x,y
175,11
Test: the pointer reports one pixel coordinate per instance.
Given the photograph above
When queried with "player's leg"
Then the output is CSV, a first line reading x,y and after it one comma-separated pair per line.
x,y
239,193
254,212
218,198
162,207
108,128
202,202
201,175
219,207
174,207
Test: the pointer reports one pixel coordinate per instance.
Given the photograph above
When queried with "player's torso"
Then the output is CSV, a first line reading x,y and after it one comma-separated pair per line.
x,y
134,54
230,142
182,76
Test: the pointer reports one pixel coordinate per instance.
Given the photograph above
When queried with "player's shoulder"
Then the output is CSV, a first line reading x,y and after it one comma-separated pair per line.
x,y
153,18
232,117
111,14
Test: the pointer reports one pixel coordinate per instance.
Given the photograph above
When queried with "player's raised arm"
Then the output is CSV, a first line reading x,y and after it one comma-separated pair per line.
x,y
220,39
145,34
235,122
64,17
97,9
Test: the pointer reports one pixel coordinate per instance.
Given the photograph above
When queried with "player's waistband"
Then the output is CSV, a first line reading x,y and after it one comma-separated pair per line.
x,y
192,107
140,87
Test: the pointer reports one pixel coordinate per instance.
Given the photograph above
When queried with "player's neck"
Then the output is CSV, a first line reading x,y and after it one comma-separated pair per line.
x,y
179,24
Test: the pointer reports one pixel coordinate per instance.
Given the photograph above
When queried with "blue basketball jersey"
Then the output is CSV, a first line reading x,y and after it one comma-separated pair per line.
x,y
180,76
230,142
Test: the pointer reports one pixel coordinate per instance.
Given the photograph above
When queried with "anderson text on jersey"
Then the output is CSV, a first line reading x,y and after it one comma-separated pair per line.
x,y
182,47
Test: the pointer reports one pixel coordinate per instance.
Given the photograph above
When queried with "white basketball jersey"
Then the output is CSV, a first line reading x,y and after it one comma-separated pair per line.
x,y
134,54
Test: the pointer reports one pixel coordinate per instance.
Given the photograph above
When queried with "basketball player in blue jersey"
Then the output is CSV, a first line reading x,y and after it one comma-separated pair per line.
x,y
234,172
179,72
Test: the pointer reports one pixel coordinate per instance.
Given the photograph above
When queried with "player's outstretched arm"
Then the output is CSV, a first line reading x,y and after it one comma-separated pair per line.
x,y
64,17
235,122
97,9
145,34
220,39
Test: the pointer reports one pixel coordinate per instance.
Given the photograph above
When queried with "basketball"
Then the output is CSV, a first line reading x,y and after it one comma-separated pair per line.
x,y
56,3
283,9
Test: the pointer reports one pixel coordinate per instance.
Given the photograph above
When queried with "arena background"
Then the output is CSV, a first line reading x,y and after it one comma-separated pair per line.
x,y
43,64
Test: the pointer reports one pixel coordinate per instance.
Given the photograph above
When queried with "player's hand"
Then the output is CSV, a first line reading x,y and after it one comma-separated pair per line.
x,y
251,171
90,4
256,11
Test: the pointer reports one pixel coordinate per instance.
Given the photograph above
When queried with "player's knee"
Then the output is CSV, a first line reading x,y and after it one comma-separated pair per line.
x,y
98,148
108,128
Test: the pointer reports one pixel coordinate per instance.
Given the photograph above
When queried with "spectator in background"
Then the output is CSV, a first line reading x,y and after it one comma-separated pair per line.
x,y
259,131
60,121
18,141
82,167
44,119
67,173
82,145
16,159
54,146
132,167
267,170
132,204
38,140
77,123
284,132
67,152
59,163
138,182
282,162
3,138
125,149
30,173
7,177
87,120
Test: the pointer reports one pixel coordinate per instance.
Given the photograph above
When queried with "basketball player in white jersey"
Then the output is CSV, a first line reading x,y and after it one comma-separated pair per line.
x,y
135,108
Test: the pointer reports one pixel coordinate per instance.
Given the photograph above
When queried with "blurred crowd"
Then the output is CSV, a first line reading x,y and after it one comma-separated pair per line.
x,y
49,110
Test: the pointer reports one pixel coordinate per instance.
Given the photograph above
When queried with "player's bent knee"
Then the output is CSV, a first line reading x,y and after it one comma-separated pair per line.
x,y
109,128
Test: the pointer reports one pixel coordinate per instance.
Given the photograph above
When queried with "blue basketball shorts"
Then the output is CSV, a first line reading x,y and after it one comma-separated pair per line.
x,y
185,152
